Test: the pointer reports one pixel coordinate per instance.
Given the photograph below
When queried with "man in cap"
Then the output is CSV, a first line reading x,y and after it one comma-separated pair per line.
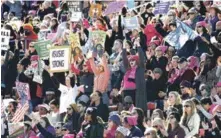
x,y
185,88
217,31
50,95
43,110
128,103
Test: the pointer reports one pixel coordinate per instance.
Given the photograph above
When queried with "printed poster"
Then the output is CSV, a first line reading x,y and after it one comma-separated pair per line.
x,y
75,8
131,23
114,7
98,37
74,40
23,91
95,10
42,47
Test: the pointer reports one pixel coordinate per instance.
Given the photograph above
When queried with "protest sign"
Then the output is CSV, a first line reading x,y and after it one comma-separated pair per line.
x,y
23,91
74,40
75,8
131,22
42,35
59,58
42,47
130,4
5,38
98,37
217,3
50,36
15,128
114,7
162,8
95,10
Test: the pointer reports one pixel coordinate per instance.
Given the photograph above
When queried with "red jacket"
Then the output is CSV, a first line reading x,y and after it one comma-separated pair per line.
x,y
150,32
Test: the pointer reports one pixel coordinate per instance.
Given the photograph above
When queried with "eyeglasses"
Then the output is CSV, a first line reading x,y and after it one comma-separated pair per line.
x,y
186,106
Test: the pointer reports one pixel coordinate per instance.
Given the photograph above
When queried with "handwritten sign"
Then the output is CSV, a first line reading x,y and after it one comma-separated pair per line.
x,y
162,8
131,22
59,58
5,38
42,35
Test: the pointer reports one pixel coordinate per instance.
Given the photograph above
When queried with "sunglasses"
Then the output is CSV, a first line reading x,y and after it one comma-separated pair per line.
x,y
64,130
127,103
186,106
147,134
182,87
69,109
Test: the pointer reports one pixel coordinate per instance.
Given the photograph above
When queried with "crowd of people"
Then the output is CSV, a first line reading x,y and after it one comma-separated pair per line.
x,y
136,85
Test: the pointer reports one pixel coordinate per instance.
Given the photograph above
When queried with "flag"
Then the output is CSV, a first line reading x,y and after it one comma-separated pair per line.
x,y
20,112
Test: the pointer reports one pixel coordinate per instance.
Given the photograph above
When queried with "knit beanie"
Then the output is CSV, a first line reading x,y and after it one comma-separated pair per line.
x,y
115,118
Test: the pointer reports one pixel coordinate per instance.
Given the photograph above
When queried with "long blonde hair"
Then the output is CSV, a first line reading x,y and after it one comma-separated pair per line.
x,y
185,117
177,97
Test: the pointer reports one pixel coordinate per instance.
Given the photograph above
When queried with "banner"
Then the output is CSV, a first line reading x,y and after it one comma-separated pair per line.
x,y
130,4
114,7
74,40
5,38
98,37
42,47
95,10
23,91
59,58
42,35
162,8
131,23
179,37
75,8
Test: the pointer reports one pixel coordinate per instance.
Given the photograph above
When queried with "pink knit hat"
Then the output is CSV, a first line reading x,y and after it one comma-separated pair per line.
x,y
162,48
132,120
218,84
134,57
69,136
201,23
34,58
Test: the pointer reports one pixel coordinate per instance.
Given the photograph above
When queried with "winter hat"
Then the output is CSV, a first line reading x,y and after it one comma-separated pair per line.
x,y
123,130
182,59
155,42
131,120
192,11
25,62
28,27
163,48
176,115
69,136
44,106
83,98
158,70
201,23
218,84
134,57
128,99
34,58
171,13
115,118
185,83
91,111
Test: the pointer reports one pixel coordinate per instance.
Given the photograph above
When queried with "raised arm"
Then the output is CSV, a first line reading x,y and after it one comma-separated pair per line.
x,y
93,67
124,56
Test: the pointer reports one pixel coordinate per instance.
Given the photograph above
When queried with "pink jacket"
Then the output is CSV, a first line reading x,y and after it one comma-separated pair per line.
x,y
100,79
150,32
128,85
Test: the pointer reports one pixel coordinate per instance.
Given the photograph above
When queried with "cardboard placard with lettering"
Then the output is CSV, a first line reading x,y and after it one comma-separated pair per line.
x,y
59,58
5,38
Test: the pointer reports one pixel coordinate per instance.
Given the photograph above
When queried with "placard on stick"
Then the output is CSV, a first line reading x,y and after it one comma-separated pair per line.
x,y
5,38
59,58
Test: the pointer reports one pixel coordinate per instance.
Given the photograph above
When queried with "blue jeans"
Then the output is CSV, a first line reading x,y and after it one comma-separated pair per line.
x,y
105,98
